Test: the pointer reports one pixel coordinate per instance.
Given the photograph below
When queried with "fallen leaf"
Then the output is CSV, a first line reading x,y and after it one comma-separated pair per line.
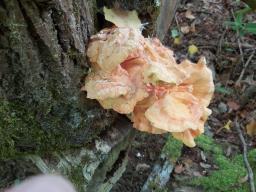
x,y
243,113
177,40
179,169
174,33
227,125
203,157
228,151
188,163
233,105
223,90
189,15
192,49
193,27
122,18
243,179
142,167
185,29
205,165
197,174
251,128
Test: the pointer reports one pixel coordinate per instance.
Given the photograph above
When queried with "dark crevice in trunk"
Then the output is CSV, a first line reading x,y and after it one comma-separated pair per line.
x,y
55,18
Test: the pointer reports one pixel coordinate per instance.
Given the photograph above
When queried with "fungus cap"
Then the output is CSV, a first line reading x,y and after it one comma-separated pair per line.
x,y
111,47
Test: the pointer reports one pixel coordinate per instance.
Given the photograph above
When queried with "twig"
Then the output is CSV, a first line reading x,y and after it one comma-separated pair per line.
x,y
244,45
177,22
245,66
220,42
246,162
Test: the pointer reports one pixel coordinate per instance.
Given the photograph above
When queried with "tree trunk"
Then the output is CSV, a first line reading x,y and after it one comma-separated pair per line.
x,y
43,63
46,124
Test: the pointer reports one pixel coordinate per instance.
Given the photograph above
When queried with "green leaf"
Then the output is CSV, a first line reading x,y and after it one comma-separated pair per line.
x,y
223,90
174,33
239,17
234,25
250,27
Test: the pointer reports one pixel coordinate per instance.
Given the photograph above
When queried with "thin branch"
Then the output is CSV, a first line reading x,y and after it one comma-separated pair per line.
x,y
221,42
246,162
245,66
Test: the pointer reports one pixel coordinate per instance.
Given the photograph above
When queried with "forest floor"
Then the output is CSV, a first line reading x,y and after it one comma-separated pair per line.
x,y
216,164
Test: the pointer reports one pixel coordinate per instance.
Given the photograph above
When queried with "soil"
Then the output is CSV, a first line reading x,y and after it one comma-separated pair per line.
x,y
144,152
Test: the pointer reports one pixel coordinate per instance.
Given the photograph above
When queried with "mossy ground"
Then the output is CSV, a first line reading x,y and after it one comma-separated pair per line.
x,y
172,149
230,171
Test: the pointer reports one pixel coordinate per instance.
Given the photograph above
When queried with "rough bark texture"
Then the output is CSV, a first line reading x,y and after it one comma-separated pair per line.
x,y
44,118
43,60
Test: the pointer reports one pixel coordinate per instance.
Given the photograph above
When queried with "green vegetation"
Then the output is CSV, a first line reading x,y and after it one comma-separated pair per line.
x,y
154,187
77,178
239,25
230,171
172,149
21,134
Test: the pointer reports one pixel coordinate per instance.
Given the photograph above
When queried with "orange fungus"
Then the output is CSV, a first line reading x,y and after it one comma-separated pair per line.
x,y
139,77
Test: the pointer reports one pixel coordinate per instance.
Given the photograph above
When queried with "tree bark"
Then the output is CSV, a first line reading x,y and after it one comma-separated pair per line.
x,y
43,63
165,18
46,124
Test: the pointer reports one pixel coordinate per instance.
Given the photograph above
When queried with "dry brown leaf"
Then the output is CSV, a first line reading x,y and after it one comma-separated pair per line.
x,y
205,165
179,169
251,128
185,29
243,179
189,15
227,125
197,174
233,105
193,27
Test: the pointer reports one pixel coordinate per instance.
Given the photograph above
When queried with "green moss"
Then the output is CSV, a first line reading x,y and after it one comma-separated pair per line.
x,y
230,171
21,134
172,149
208,145
77,178
13,121
154,187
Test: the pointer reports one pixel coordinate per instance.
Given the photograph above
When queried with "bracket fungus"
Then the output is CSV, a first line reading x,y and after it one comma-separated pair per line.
x,y
139,77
